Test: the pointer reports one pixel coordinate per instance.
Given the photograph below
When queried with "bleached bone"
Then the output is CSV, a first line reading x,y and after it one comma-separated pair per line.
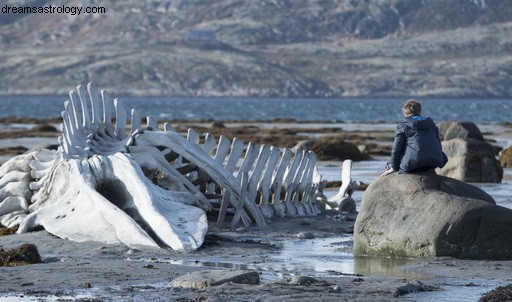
x,y
343,200
127,183
294,186
305,185
264,186
220,156
277,182
289,185
196,155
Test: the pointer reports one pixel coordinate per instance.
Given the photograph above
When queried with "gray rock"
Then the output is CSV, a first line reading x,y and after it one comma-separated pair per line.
x,y
412,288
306,235
202,279
421,215
302,280
454,129
471,160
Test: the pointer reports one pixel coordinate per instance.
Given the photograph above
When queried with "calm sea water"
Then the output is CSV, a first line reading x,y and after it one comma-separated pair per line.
x,y
354,110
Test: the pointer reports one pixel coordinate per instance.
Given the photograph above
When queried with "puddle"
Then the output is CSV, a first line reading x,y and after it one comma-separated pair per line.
x,y
318,258
313,257
387,267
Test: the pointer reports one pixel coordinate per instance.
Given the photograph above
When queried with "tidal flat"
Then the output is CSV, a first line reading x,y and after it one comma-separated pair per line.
x,y
319,247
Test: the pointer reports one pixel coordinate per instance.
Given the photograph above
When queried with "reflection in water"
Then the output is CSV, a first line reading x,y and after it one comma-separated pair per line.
x,y
322,257
391,267
317,257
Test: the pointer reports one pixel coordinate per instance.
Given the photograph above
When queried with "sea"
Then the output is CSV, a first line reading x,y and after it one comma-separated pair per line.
x,y
347,110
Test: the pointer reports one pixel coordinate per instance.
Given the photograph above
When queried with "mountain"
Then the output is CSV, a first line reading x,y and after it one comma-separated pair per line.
x,y
264,48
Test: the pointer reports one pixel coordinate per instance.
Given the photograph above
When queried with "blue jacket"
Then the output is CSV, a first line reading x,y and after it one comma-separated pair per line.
x,y
417,146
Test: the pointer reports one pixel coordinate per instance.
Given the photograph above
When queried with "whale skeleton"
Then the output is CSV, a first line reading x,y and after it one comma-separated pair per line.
x,y
113,179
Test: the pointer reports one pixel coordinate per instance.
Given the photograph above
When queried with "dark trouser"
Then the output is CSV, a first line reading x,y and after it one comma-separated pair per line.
x,y
423,169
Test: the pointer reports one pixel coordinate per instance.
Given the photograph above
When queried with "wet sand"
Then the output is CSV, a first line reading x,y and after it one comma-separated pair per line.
x,y
319,247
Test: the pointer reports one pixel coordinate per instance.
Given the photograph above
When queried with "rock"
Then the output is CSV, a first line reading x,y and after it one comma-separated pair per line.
x,y
454,129
302,280
335,148
202,279
25,254
422,215
44,128
306,235
412,288
501,293
506,157
7,231
471,160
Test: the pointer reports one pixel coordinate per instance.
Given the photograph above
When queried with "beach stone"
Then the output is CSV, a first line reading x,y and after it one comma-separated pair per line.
x,y
506,157
455,129
301,280
331,148
424,214
203,279
306,235
23,255
500,293
471,160
44,128
413,288
335,148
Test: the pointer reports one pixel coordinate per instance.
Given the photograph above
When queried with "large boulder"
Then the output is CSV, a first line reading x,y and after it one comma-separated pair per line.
x,y
421,215
471,160
454,129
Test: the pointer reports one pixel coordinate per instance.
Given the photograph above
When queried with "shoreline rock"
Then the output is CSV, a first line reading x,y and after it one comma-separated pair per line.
x,y
422,215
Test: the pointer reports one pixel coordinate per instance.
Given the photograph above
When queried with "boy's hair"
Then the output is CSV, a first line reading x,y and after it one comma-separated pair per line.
x,y
411,107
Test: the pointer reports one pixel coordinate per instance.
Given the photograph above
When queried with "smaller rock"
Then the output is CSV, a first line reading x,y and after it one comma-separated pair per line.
x,y
25,254
302,280
305,235
454,129
86,284
471,160
502,293
409,288
335,148
203,279
44,128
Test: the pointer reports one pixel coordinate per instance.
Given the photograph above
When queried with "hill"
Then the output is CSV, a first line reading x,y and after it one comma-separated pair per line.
x,y
267,48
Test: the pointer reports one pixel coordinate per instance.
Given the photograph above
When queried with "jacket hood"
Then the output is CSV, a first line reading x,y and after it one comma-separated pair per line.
x,y
419,122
